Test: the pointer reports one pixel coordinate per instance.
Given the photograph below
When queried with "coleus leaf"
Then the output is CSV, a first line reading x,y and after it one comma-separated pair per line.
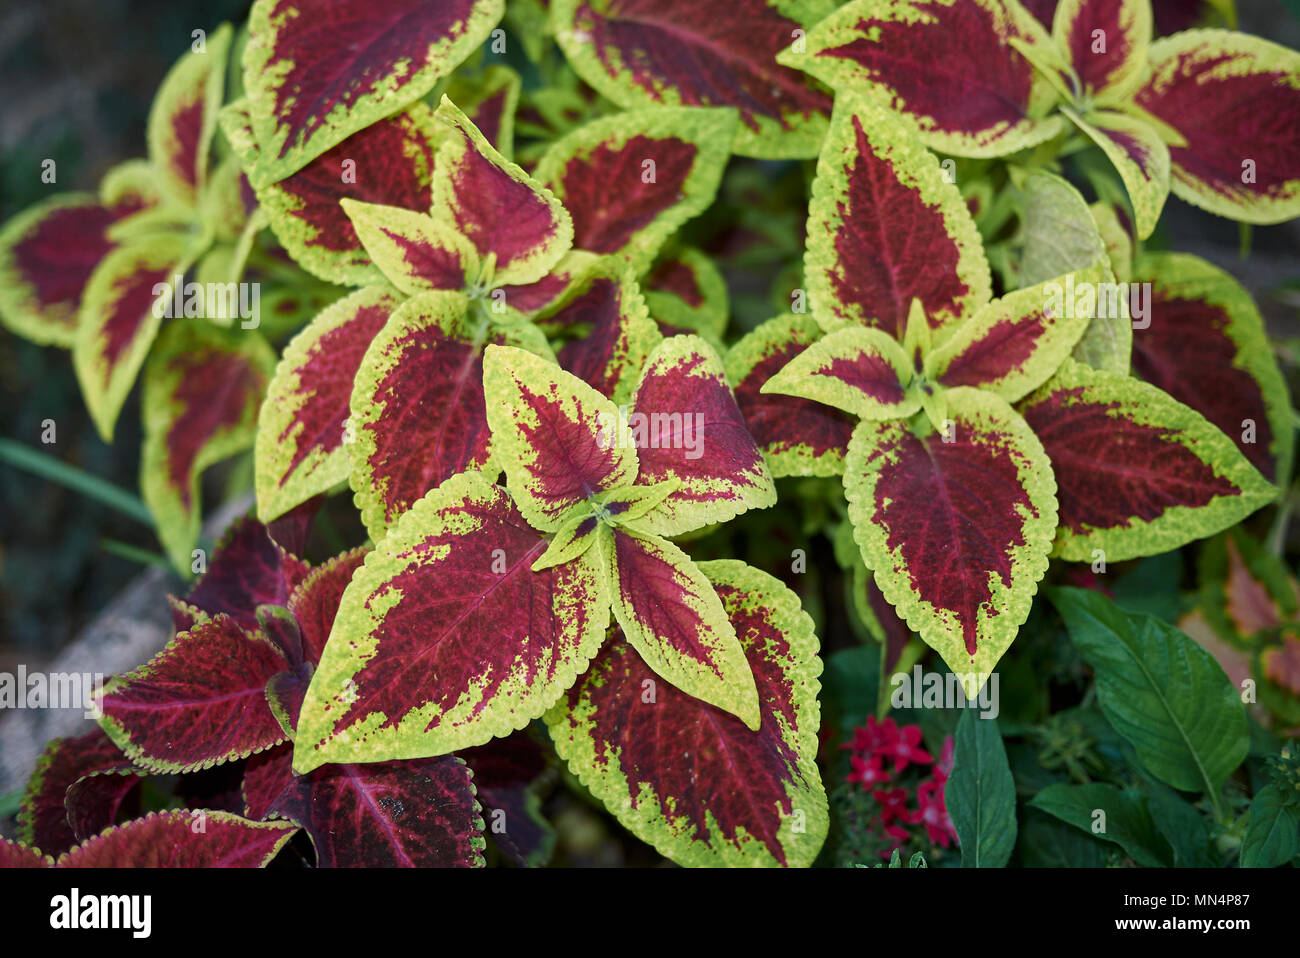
x,y
418,414
1062,234
247,570
1140,156
14,855
862,371
489,101
300,434
555,436
48,253
510,776
798,437
199,702
955,525
507,216
118,319
690,779
650,52
414,251
672,616
886,227
1235,102
94,801
614,333
43,816
1137,472
1012,345
1111,64
202,389
630,180
183,118
947,64
388,163
317,71
695,434
686,293
412,814
183,838
507,643
1206,346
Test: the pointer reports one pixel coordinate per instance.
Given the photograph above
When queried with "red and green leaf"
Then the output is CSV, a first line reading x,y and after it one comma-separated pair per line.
x,y
202,390
315,600
416,814
1137,472
613,333
949,65
318,71
184,838
300,434
43,817
1140,156
695,435
511,776
555,437
1014,344
489,101
247,569
686,293
671,615
862,371
388,163
689,778
14,855
630,180
199,702
1107,43
418,414
508,217
1235,102
655,53
446,638
1207,347
119,316
885,227
94,801
415,252
798,437
48,253
183,118
956,525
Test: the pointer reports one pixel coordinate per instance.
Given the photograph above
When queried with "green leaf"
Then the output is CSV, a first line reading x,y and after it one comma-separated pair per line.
x,y
1160,690
1273,833
1108,813
980,794
1138,154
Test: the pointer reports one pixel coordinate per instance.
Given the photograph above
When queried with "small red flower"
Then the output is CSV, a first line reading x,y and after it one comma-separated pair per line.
x,y
933,813
870,772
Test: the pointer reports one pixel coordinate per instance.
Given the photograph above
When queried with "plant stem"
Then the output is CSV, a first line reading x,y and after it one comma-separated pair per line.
x,y
46,466
134,553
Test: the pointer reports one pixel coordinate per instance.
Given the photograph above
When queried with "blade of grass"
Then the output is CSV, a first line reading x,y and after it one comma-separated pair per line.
x,y
134,553
46,466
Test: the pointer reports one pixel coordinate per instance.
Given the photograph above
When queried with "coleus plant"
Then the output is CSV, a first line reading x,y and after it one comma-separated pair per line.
x,y
226,692
1206,113
956,497
351,396
522,580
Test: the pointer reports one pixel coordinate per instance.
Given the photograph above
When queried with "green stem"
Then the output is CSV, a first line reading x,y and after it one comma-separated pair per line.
x,y
134,553
42,464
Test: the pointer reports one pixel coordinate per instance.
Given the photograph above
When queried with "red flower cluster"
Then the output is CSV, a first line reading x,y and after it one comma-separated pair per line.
x,y
878,742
